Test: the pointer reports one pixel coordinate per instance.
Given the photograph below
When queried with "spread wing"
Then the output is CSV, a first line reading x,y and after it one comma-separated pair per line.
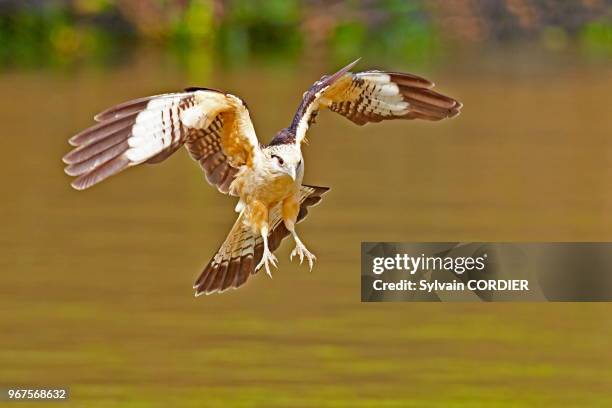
x,y
372,96
214,126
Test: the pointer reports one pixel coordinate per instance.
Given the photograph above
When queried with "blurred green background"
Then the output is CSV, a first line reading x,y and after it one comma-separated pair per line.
x,y
96,290
59,33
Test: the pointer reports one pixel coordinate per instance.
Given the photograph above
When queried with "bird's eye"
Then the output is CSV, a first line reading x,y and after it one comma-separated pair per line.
x,y
280,160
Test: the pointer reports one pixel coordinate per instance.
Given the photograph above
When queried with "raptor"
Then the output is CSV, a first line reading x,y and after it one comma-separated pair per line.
x,y
216,129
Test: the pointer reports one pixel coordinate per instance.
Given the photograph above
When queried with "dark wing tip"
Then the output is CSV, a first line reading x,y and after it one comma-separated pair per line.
x,y
124,109
72,141
402,78
200,88
66,157
427,104
352,64
332,78
98,174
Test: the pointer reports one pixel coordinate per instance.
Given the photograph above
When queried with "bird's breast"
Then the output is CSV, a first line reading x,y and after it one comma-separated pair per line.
x,y
264,187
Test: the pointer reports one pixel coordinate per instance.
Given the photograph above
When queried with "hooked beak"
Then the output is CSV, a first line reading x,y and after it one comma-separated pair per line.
x,y
292,173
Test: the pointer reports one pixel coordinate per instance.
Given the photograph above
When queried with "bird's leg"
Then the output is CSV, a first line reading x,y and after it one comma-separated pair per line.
x,y
301,251
267,257
259,219
291,208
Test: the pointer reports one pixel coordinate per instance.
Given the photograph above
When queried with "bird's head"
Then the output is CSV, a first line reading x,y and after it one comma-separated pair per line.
x,y
284,160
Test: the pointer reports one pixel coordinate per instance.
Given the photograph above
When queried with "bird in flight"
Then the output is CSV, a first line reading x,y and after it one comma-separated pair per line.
x,y
216,129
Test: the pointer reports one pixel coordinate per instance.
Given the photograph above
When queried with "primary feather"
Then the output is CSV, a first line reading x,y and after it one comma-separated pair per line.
x,y
369,96
216,127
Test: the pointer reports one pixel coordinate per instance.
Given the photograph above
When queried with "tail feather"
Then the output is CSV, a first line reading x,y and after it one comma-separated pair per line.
x,y
242,250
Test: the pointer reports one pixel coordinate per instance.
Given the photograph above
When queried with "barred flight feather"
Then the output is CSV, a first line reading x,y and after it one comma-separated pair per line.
x,y
235,260
150,129
369,96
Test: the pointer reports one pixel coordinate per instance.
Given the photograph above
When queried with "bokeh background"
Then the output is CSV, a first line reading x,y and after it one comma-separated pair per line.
x,y
95,290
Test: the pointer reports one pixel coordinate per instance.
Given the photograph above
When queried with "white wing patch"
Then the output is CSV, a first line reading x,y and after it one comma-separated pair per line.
x,y
374,96
152,128
374,77
155,129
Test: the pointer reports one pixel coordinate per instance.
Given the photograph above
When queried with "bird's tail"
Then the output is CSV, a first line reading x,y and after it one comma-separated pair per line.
x,y
242,250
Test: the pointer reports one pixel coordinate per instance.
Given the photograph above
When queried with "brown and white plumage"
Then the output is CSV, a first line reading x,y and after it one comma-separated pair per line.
x,y
216,129
371,96
235,260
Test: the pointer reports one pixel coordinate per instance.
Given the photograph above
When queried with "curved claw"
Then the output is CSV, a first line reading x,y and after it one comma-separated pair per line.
x,y
301,251
298,253
267,259
311,260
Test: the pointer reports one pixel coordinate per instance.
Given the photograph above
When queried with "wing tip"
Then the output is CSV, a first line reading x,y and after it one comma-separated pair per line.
x,y
66,158
69,170
201,88
100,173
73,141
78,186
99,117
406,79
331,79
352,64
